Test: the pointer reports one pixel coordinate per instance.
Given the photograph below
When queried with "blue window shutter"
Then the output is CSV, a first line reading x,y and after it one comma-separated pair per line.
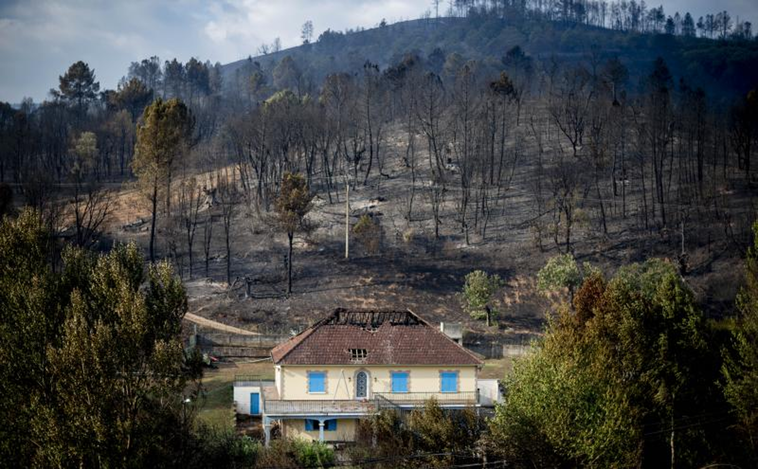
x,y
448,381
330,425
311,425
399,382
316,382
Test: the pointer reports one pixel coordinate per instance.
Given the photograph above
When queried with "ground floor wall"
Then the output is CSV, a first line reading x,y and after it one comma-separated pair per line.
x,y
247,397
296,428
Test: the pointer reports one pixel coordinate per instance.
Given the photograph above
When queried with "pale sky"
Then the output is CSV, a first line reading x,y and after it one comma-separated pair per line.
x,y
39,39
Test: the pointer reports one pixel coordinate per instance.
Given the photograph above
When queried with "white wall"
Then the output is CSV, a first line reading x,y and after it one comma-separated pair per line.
x,y
489,392
242,398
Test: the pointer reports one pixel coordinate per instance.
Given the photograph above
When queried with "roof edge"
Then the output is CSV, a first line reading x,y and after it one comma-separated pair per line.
x,y
479,362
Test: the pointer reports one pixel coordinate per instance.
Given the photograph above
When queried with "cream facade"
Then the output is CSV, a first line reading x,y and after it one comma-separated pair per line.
x,y
344,431
353,364
334,412
292,381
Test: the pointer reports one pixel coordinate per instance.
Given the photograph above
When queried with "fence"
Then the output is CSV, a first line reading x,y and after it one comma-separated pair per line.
x,y
236,345
500,349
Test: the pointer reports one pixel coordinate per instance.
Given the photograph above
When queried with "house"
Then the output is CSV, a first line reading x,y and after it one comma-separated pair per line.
x,y
352,364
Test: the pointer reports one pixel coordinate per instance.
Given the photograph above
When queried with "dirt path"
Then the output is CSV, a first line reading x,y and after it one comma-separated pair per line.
x,y
199,320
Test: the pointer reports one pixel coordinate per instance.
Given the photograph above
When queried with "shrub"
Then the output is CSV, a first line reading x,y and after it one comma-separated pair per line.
x,y
559,272
223,448
429,437
296,453
478,291
369,234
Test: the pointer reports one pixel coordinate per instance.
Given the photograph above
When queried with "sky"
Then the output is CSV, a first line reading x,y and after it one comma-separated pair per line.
x,y
39,39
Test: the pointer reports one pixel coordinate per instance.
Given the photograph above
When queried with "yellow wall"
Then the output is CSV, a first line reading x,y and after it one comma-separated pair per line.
x,y
296,429
340,380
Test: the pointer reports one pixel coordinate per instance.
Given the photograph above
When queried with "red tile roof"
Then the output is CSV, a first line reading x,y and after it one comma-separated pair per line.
x,y
389,338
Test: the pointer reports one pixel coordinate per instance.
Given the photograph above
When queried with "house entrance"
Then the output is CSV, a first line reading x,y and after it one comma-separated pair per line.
x,y
361,385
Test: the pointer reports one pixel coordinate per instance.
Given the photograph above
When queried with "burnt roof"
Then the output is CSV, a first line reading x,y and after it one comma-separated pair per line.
x,y
388,337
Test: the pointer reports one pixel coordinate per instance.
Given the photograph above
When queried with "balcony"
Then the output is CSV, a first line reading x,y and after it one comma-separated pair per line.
x,y
418,399
273,406
319,407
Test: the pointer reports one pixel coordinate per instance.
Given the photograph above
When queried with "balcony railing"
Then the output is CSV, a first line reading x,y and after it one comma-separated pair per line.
x,y
320,407
252,380
378,401
420,398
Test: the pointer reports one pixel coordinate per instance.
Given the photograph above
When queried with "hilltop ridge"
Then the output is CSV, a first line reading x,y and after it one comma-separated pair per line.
x,y
723,68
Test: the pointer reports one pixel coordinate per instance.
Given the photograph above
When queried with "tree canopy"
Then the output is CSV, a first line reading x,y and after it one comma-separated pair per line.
x,y
626,385
94,368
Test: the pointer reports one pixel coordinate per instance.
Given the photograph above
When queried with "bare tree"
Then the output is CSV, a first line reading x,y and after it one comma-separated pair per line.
x,y
91,203
190,203
228,198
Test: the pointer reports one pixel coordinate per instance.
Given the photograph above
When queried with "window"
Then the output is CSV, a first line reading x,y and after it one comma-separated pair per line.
x,y
448,381
399,381
358,354
316,382
312,425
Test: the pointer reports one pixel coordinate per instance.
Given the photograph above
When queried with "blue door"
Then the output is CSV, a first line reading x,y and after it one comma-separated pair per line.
x,y
255,405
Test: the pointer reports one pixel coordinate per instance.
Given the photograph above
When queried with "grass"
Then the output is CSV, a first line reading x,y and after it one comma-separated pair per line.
x,y
496,368
215,406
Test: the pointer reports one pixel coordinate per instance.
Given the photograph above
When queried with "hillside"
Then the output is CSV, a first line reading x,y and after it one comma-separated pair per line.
x,y
725,69
456,159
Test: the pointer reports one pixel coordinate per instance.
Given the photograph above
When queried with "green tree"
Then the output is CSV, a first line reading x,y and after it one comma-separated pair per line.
x,y
560,272
478,291
626,386
162,139
77,87
29,320
94,368
428,437
740,368
291,206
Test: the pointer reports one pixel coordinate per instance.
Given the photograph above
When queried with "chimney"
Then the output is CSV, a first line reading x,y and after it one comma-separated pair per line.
x,y
453,330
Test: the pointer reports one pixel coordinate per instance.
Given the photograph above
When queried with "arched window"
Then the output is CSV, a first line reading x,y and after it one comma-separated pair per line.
x,y
361,385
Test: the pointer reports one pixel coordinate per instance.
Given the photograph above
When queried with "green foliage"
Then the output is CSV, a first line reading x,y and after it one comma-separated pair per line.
x,y
293,203
740,369
634,356
223,449
85,150
313,454
440,431
291,206
296,454
161,139
165,129
559,272
478,290
281,99
452,435
94,365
